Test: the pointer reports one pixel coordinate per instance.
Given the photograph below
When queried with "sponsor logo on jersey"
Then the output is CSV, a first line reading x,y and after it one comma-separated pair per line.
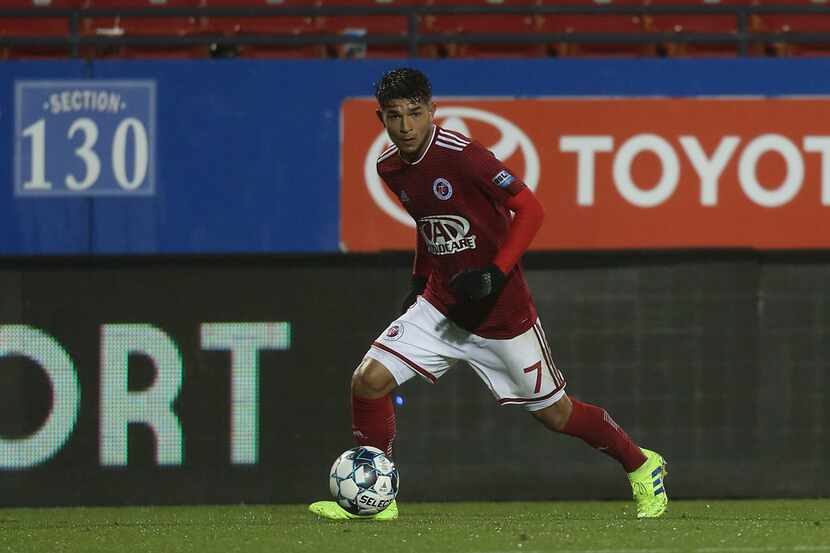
x,y
446,234
442,189
503,179
394,332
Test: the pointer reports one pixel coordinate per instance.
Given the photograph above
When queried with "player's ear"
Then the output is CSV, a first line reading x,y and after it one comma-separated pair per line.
x,y
379,113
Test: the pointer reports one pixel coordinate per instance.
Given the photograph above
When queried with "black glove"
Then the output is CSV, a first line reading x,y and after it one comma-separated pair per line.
x,y
477,284
418,286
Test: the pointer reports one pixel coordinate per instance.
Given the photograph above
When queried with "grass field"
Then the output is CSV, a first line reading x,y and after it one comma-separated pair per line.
x,y
596,527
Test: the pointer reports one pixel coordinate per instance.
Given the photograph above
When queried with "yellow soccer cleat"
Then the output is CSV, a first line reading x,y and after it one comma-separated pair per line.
x,y
648,484
332,511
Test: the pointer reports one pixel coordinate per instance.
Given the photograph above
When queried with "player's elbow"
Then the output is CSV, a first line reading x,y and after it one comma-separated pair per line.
x,y
536,213
540,213
529,203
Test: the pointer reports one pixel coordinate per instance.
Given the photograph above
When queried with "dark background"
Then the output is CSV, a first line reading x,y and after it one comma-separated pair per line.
x,y
715,359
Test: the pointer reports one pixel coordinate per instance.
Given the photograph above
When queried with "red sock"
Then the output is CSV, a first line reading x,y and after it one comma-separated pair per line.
x,y
596,427
373,422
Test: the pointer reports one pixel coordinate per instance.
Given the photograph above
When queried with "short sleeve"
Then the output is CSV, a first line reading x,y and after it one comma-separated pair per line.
x,y
495,179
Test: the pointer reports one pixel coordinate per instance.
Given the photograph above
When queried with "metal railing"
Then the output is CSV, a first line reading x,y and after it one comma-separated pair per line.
x,y
742,38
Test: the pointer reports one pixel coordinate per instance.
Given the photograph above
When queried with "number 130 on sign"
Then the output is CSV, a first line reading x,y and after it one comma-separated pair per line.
x,y
84,138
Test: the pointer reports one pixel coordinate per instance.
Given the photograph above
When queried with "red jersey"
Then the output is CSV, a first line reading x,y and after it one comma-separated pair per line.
x,y
456,192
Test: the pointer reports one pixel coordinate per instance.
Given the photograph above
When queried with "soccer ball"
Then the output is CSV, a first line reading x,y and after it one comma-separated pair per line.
x,y
363,480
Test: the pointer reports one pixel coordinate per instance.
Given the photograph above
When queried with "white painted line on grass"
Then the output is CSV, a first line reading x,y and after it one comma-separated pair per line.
x,y
732,549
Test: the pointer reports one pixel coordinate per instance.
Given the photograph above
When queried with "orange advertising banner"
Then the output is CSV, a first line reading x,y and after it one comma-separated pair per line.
x,y
616,173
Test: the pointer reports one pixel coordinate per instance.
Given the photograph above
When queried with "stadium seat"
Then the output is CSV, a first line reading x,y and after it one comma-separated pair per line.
x,y
671,24
601,23
144,27
30,27
268,25
796,23
390,25
486,23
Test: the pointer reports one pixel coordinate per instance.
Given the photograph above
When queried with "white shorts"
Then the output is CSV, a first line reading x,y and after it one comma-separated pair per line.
x,y
423,341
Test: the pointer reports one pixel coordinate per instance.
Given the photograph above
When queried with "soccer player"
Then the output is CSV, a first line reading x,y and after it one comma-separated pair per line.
x,y
469,300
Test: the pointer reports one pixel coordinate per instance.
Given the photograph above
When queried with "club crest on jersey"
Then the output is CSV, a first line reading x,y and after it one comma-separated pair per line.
x,y
446,234
503,179
442,189
394,332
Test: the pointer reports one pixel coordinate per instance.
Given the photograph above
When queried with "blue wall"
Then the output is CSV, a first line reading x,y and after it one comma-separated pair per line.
x,y
246,152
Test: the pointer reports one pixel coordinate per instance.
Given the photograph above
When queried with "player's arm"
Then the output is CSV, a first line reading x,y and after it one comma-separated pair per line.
x,y
528,218
421,269
476,284
497,182
420,266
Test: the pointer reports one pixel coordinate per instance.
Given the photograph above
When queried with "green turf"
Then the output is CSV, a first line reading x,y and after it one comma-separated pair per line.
x,y
608,527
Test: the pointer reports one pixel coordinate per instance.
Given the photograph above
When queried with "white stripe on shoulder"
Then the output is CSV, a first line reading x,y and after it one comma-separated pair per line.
x,y
452,140
387,150
387,153
454,135
456,147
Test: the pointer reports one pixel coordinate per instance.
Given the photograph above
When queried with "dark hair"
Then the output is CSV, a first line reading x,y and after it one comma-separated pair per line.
x,y
406,83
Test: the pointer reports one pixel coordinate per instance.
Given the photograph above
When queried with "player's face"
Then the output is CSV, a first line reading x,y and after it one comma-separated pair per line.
x,y
409,125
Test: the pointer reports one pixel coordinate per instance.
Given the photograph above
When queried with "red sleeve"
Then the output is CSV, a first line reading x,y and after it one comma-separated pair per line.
x,y
526,223
491,175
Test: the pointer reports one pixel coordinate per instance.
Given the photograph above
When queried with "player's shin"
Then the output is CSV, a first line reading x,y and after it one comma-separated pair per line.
x,y
373,422
596,427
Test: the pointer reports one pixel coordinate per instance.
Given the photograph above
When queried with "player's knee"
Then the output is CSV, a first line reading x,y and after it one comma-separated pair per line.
x,y
372,380
555,416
